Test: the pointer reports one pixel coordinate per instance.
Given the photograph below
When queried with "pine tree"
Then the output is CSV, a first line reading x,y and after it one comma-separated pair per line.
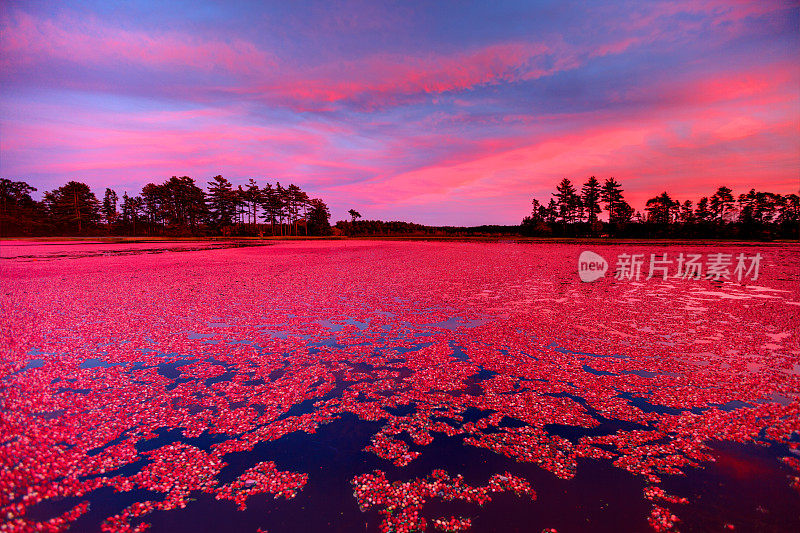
x,y
611,195
270,205
661,209
319,217
702,213
110,206
253,197
221,202
73,207
19,213
590,196
567,201
721,203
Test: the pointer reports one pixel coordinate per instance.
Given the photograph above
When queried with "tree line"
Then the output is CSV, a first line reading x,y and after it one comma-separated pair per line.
x,y
752,215
177,207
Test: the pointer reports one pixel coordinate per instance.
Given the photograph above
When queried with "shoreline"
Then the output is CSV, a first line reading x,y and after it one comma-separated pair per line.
x,y
434,238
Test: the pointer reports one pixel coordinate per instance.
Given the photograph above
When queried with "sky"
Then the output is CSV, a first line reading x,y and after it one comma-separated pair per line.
x,y
445,113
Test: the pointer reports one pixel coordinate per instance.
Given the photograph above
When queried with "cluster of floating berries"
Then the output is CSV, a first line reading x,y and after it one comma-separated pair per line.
x,y
401,502
175,469
661,519
497,350
264,477
657,493
13,522
794,464
452,523
394,450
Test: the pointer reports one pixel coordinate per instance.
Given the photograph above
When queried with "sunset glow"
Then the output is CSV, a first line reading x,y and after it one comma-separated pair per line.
x,y
445,113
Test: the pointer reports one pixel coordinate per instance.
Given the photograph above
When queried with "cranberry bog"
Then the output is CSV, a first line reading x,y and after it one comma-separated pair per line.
x,y
396,386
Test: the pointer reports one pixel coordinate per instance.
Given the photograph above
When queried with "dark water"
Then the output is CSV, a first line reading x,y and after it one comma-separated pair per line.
x,y
746,487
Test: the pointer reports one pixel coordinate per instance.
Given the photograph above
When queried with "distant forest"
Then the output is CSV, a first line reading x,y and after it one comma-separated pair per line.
x,y
751,215
178,207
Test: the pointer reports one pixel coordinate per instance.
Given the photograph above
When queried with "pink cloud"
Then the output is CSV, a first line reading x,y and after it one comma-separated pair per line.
x,y
687,134
726,128
647,16
688,146
643,157
373,81
26,40
674,21
385,79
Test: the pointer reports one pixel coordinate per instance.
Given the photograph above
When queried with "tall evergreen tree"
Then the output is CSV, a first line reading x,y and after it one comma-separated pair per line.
x,y
131,211
788,209
661,209
153,207
282,202
702,212
293,205
110,206
270,205
611,195
303,206
721,204
686,212
73,207
184,203
551,211
221,202
319,217
19,212
590,197
253,197
241,207
567,201
538,212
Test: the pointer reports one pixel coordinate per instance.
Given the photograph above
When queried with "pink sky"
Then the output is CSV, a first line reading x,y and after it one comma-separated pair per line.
x,y
445,114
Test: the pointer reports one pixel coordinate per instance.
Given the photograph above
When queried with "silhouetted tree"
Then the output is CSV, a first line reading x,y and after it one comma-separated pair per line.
x,y
590,195
131,211
20,214
535,223
253,198
661,209
537,211
789,209
283,204
304,205
295,199
590,202
73,207
319,217
110,206
721,204
221,202
788,218
702,213
567,201
686,212
271,205
619,212
184,203
551,212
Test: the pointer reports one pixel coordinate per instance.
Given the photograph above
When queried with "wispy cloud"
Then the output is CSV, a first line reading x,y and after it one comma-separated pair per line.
x,y
29,40
486,112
